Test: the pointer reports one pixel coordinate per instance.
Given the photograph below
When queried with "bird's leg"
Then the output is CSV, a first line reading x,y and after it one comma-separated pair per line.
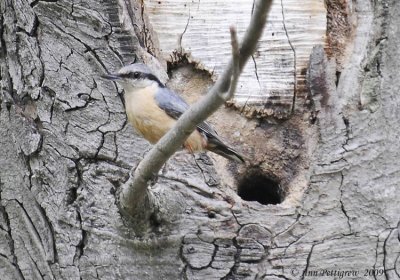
x,y
195,157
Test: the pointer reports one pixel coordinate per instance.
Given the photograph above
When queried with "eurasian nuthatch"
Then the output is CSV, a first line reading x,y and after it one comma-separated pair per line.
x,y
153,110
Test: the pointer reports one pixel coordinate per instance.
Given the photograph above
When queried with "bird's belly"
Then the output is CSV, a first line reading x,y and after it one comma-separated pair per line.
x,y
152,122
151,128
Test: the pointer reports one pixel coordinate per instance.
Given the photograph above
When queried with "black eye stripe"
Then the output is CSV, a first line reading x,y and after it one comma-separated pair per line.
x,y
133,75
139,75
153,78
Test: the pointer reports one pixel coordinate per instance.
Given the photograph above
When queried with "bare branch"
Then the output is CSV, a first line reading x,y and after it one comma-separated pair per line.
x,y
235,64
134,192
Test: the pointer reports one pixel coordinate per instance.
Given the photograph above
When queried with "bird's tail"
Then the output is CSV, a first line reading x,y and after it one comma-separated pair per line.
x,y
216,146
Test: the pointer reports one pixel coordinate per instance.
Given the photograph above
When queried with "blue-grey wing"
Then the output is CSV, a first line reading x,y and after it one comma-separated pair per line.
x,y
175,106
170,102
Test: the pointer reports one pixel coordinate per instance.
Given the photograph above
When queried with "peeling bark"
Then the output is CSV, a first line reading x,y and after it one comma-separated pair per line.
x,y
66,148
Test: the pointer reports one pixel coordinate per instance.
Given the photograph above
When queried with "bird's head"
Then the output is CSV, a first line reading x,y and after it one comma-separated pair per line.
x,y
134,76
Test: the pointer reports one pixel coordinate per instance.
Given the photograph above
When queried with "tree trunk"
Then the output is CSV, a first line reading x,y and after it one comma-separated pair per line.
x,y
318,199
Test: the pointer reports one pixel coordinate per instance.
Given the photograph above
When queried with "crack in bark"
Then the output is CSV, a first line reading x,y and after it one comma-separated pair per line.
x,y
87,47
236,219
115,51
88,101
36,233
30,173
52,234
233,271
72,192
116,147
342,203
182,258
80,247
51,94
385,254
11,244
397,271
257,77
290,226
183,33
53,257
297,238
38,148
33,32
256,71
308,261
209,182
5,75
115,137
347,133
60,154
16,53
216,248
107,106
102,140
30,220
376,255
20,60
231,274
145,31
34,262
294,57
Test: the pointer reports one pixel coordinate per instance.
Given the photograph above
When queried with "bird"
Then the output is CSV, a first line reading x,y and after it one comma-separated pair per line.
x,y
153,109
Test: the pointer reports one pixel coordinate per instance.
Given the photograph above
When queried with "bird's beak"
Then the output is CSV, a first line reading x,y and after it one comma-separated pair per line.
x,y
111,76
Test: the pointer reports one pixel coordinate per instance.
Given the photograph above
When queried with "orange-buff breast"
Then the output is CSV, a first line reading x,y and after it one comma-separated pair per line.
x,y
152,122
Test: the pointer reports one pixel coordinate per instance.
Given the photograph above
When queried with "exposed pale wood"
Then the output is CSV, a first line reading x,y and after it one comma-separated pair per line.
x,y
199,29
65,148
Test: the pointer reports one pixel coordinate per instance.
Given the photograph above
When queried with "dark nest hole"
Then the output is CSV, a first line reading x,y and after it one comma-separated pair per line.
x,y
256,185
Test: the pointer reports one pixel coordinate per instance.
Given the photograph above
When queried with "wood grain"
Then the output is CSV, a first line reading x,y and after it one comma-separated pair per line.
x,y
199,30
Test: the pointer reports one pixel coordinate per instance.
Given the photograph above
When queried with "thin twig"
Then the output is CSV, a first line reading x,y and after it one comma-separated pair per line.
x,y
235,64
134,192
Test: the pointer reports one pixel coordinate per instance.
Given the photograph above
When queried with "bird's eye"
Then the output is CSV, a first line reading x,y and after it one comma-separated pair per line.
x,y
136,75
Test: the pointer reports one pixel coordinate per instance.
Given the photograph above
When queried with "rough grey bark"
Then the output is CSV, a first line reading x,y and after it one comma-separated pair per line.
x,y
65,148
